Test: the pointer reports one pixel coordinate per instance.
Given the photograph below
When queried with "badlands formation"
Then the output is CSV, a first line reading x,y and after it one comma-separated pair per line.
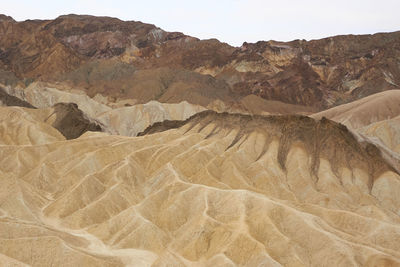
x,y
125,145
216,189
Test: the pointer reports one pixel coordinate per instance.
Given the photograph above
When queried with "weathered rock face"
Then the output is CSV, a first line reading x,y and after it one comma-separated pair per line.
x,y
100,37
10,100
71,121
109,56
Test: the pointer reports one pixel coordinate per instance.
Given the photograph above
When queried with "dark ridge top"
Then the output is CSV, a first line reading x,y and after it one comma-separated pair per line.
x,y
6,18
321,139
72,122
10,100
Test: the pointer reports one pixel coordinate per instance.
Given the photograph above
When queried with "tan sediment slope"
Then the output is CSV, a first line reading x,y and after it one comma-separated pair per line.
x,y
374,118
360,113
19,125
126,120
23,126
217,189
387,131
42,96
257,105
130,121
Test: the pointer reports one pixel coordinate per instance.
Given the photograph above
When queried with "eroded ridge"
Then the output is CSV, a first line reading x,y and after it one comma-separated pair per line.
x,y
214,191
321,138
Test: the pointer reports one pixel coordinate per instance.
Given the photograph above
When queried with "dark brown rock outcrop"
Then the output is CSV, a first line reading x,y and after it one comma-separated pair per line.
x,y
318,73
71,121
9,100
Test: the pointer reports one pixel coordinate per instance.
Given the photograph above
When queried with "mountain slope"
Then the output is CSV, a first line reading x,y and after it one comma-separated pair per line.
x,y
128,59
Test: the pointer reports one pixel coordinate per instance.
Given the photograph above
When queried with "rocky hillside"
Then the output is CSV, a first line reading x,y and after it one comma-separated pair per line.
x,y
134,60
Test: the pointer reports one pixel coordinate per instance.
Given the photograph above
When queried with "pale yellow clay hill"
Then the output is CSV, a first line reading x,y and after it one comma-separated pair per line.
x,y
213,191
125,120
387,131
367,110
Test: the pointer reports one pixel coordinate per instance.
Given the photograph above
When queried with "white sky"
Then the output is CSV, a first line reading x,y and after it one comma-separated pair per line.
x,y
231,21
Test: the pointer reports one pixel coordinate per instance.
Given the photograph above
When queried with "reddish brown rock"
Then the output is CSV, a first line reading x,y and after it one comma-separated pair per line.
x,y
72,49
